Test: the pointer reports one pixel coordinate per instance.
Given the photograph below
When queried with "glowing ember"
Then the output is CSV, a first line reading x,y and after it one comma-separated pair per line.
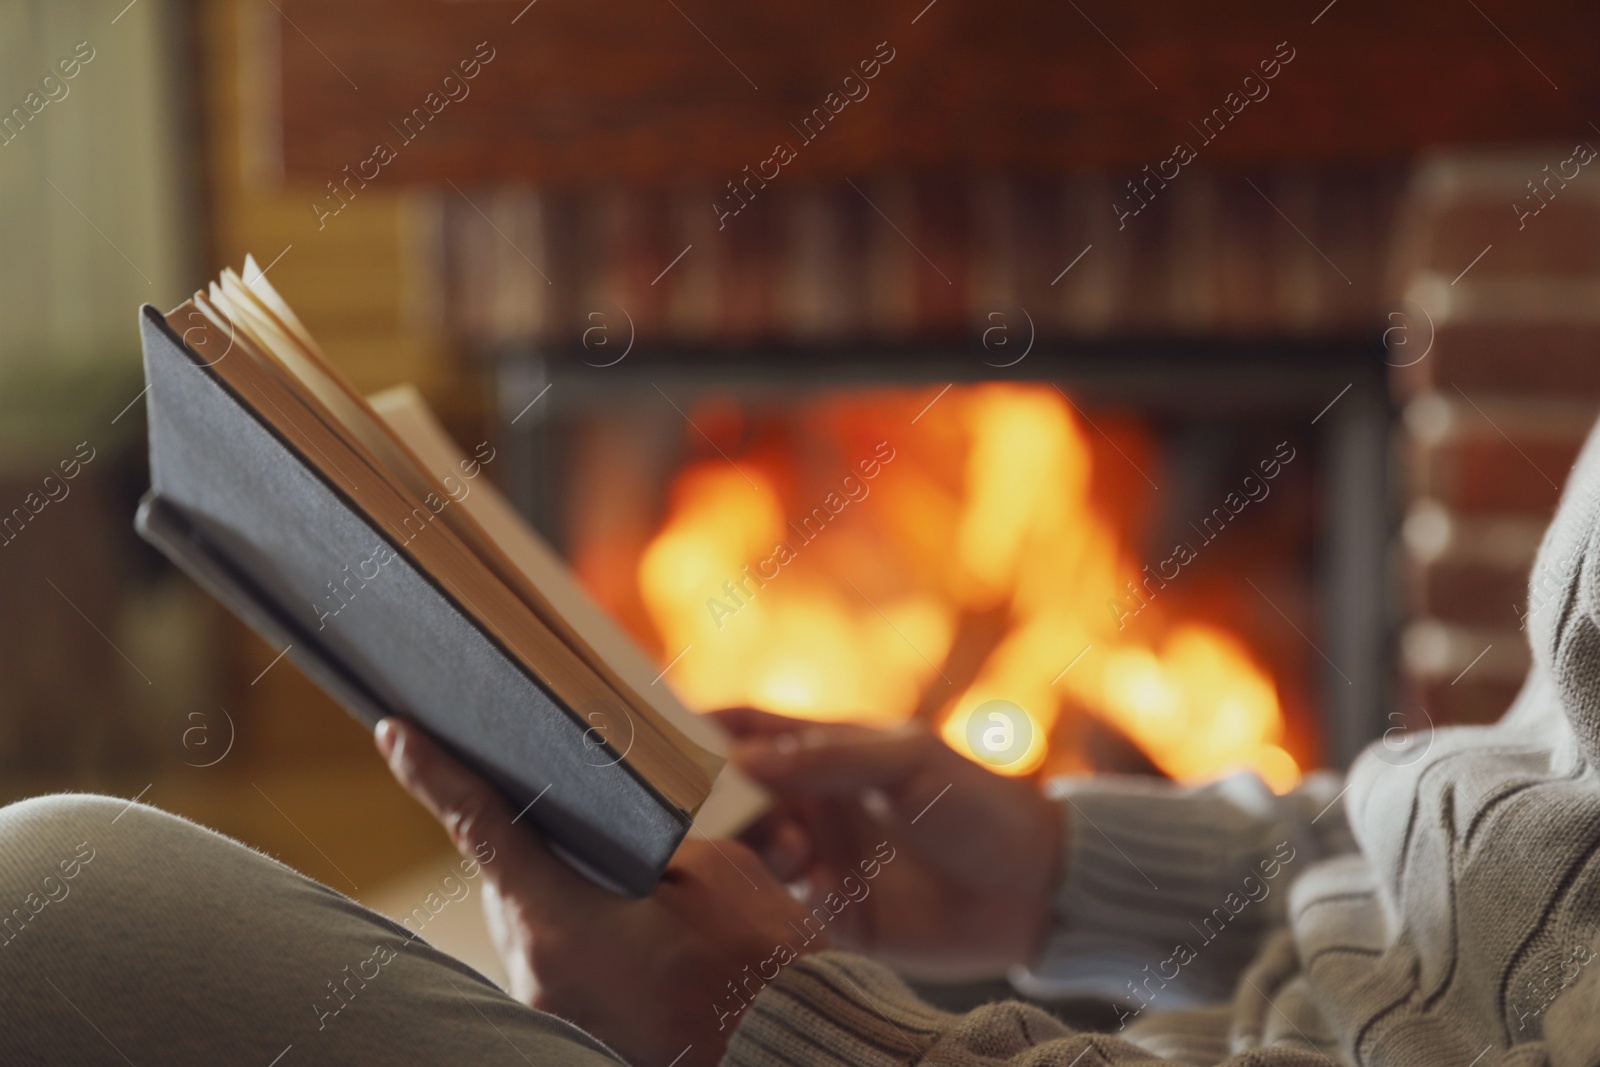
x,y
934,567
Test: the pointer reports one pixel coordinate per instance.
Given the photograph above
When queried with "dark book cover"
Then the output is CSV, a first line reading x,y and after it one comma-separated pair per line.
x,y
241,510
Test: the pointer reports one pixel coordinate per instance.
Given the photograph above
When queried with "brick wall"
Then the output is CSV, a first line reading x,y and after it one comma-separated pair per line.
x,y
818,264
1504,307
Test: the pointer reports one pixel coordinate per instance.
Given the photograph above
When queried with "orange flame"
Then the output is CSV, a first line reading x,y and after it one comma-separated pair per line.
x,y
983,510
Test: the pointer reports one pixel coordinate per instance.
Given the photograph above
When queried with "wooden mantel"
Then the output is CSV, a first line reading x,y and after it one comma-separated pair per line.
x,y
581,92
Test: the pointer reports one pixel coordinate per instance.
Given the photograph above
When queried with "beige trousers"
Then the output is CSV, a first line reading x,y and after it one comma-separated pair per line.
x,y
130,936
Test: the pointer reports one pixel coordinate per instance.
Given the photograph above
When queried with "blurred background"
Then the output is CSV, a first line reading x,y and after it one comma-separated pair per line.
x,y
1198,383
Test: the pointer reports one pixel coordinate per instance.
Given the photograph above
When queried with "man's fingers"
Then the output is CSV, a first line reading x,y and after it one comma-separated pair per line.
x,y
837,759
479,822
801,755
752,722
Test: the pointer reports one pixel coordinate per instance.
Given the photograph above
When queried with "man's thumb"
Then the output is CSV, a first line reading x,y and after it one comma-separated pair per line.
x,y
479,821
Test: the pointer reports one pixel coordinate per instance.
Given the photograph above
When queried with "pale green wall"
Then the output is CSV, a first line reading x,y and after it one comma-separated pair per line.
x,y
115,146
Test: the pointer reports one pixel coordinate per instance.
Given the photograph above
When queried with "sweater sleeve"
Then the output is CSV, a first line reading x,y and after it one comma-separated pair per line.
x,y
1177,882
838,1010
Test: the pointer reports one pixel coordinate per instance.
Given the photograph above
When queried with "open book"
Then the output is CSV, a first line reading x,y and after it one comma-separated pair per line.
x,y
358,537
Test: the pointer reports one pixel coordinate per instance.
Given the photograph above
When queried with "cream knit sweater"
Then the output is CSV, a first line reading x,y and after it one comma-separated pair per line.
x,y
1440,907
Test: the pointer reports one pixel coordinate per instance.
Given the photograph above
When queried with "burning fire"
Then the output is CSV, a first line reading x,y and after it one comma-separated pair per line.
x,y
945,563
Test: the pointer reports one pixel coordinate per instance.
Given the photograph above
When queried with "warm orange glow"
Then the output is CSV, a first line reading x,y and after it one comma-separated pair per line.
x,y
857,588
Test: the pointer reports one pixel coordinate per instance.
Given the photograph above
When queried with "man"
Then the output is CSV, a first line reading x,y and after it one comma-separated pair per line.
x,y
1455,927
1440,908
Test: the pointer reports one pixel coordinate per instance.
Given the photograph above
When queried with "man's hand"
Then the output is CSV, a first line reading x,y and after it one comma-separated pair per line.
x,y
649,977
977,855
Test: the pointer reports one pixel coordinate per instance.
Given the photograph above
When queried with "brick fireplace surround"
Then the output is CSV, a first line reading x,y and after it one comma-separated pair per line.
x,y
1494,414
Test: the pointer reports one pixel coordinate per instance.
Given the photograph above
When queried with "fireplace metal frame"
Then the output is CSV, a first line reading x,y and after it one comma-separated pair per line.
x,y
1340,384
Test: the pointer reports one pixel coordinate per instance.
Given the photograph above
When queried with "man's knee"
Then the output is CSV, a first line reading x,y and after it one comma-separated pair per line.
x,y
46,822
45,847
49,817
184,946
102,858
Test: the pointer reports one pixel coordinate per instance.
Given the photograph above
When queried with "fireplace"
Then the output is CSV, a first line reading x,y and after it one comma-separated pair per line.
x,y
1154,548
982,179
